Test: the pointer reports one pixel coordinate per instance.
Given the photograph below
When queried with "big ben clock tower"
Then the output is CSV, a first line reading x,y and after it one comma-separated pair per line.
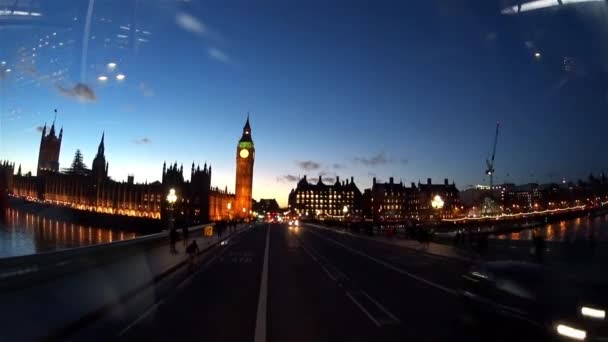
x,y
245,155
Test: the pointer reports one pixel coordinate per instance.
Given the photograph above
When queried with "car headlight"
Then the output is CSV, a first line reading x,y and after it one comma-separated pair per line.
x,y
571,332
593,313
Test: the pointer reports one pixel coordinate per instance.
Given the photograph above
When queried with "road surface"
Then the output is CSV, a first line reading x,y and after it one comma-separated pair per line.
x,y
272,283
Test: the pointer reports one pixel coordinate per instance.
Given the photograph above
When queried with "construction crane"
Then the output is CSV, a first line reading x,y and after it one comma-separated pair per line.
x,y
490,163
489,207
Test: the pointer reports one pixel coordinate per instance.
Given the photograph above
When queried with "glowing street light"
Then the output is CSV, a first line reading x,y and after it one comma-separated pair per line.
x,y
111,66
345,210
437,202
102,78
120,77
537,55
171,197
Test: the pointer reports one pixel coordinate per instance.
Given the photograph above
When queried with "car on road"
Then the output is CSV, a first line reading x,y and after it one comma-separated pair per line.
x,y
545,300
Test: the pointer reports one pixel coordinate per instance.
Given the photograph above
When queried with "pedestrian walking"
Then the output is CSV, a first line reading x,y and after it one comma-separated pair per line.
x,y
218,229
185,235
173,240
192,251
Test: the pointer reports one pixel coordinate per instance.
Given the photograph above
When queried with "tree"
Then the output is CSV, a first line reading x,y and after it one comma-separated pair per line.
x,y
78,167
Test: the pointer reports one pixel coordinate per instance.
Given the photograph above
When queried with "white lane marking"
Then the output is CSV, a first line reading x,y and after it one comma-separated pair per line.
x,y
141,318
394,318
316,259
260,322
349,294
387,265
179,287
363,309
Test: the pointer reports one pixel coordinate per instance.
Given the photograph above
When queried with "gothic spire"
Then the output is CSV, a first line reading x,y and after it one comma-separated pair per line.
x,y
52,132
101,149
246,137
247,123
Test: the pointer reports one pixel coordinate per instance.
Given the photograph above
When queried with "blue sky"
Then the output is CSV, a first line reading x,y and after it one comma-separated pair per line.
x,y
354,88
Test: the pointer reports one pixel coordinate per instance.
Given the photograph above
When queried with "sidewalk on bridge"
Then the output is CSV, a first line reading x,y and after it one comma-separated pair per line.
x,y
58,304
583,269
436,249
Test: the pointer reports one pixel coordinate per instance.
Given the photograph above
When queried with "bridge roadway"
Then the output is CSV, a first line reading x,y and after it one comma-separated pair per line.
x,y
271,283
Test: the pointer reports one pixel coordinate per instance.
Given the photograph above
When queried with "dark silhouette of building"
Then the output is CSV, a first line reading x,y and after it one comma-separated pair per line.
x,y
6,178
50,146
100,166
245,156
266,206
321,199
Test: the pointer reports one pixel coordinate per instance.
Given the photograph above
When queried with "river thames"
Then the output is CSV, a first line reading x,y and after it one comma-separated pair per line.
x,y
26,233
576,229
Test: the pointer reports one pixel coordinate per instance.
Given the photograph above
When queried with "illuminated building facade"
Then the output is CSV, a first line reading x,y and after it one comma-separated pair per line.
x,y
92,189
390,201
449,196
245,156
321,199
396,202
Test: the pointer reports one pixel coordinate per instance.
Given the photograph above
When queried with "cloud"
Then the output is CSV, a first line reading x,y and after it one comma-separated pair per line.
x,y
39,128
338,166
218,55
191,24
80,91
308,165
288,179
328,179
379,159
146,90
143,141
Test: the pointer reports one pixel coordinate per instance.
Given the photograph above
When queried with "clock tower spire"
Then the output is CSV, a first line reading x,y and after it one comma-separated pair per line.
x,y
245,155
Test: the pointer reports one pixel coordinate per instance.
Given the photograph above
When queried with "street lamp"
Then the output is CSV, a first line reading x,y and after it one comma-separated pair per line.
x,y
437,203
171,199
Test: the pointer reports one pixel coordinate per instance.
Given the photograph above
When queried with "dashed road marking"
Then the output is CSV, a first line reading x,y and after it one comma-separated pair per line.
x,y
377,313
260,322
385,264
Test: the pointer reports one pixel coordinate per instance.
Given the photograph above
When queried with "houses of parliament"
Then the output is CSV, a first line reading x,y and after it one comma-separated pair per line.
x,y
91,189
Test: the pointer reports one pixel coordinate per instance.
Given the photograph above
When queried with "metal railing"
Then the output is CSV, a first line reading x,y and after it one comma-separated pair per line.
x,y
28,269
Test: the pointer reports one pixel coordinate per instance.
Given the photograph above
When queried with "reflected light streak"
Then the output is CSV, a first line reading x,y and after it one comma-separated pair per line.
x,y
539,4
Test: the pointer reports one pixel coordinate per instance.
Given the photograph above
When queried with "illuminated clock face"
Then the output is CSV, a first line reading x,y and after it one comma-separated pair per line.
x,y
244,153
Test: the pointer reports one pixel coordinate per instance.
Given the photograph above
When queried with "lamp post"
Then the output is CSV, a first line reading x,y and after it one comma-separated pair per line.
x,y
345,211
171,199
229,207
437,203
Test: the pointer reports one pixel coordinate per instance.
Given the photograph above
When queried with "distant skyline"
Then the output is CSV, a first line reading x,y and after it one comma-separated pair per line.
x,y
341,88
